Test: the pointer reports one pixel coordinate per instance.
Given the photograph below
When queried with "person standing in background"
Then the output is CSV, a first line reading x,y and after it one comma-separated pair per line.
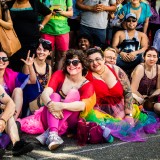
x,y
24,14
94,19
57,30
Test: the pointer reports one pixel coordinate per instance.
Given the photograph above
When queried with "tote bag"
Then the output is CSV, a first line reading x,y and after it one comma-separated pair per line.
x,y
8,38
9,41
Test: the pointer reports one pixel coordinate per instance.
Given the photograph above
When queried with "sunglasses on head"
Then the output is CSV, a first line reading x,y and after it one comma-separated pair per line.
x,y
4,59
41,40
74,62
131,20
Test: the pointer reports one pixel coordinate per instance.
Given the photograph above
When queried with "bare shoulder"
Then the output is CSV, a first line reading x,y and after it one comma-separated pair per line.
x,y
118,33
142,35
158,68
138,71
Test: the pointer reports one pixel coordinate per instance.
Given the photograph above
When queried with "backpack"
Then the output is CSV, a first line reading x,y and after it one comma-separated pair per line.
x,y
89,132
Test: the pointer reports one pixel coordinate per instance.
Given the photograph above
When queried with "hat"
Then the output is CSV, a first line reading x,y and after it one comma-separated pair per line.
x,y
131,15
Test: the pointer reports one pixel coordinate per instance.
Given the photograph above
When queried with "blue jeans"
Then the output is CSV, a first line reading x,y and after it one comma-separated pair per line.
x,y
128,66
98,35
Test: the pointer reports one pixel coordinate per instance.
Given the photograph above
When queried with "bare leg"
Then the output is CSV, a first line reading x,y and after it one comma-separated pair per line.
x,y
12,131
157,108
59,59
17,97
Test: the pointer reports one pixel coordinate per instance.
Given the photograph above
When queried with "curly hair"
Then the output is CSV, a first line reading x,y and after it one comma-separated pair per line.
x,y
72,53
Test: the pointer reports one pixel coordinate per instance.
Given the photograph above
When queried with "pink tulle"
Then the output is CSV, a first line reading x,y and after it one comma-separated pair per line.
x,y
32,124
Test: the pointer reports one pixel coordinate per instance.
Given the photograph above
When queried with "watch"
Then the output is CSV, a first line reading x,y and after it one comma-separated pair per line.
x,y
129,114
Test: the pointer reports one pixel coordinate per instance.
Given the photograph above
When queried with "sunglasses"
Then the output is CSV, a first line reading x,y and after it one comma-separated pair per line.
x,y
41,40
131,20
74,62
4,59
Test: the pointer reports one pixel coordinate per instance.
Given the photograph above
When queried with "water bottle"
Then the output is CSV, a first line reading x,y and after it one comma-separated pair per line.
x,y
107,134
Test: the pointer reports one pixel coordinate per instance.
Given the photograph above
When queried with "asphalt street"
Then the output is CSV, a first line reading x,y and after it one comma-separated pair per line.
x,y
118,150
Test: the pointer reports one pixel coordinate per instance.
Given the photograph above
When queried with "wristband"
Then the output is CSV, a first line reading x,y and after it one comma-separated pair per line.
x,y
129,114
48,102
3,120
41,25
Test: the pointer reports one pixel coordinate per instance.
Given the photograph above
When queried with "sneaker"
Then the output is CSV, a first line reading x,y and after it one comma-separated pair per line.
x,y
21,147
43,137
2,152
53,141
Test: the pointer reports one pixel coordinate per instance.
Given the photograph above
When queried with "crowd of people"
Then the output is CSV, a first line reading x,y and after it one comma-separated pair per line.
x,y
92,60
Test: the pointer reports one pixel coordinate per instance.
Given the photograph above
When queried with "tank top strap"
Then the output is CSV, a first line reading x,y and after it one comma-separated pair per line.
x,y
34,68
136,35
113,71
126,34
47,68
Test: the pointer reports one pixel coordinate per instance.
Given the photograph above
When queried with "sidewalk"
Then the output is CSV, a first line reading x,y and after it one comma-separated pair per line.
x,y
118,150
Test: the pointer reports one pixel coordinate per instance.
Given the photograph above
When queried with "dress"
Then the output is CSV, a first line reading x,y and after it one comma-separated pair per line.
x,y
25,23
148,86
43,79
144,123
156,41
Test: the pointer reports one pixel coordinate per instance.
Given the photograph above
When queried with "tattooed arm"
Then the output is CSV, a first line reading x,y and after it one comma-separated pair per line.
x,y
128,98
9,108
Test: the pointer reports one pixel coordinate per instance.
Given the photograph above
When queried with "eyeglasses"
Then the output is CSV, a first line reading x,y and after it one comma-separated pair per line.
x,y
41,40
131,20
4,59
109,57
97,60
74,62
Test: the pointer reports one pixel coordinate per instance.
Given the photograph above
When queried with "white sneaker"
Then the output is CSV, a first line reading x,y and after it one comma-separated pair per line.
x,y
53,141
43,137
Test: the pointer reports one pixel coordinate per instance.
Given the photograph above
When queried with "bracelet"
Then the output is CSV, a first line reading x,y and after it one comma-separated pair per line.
x,y
48,102
129,114
41,25
3,120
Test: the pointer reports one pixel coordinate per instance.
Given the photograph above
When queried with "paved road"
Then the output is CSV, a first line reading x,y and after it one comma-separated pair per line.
x,y
118,150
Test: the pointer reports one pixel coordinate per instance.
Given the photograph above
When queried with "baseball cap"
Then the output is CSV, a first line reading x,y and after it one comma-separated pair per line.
x,y
131,15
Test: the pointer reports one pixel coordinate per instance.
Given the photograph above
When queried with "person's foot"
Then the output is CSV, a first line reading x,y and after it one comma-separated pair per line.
x,y
43,137
21,147
53,141
2,152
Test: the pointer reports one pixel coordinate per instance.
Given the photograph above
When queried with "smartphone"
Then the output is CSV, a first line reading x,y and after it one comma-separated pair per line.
x,y
55,10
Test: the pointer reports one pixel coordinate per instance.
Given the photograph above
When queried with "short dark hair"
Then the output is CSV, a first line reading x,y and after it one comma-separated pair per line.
x,y
71,53
85,36
45,43
151,48
96,49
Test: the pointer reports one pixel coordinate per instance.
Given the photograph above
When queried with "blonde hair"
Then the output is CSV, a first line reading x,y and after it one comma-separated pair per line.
x,y
110,49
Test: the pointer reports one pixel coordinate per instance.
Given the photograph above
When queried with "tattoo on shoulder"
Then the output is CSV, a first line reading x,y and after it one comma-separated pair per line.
x,y
2,95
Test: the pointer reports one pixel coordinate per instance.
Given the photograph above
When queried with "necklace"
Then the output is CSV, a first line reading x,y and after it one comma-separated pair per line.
x,y
100,74
136,8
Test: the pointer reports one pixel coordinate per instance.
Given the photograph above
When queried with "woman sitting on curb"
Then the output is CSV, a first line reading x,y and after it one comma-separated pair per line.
x,y
115,107
7,123
145,81
14,82
68,95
